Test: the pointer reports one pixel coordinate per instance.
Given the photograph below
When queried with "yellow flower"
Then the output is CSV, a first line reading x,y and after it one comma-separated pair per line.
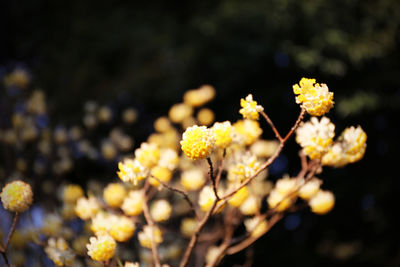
x,y
59,252
197,142
101,248
322,202
212,254
179,112
114,194
278,201
250,109
310,189
87,208
286,185
239,197
146,235
245,168
16,196
72,193
264,148
199,97
256,226
315,137
168,159
131,171
129,115
349,148
314,98
160,210
148,155
205,116
207,198
162,125
133,203
121,228
188,227
52,225
223,134
246,132
161,173
193,179
250,206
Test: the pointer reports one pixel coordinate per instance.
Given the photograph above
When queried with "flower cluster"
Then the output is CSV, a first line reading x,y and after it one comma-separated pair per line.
x,y
16,196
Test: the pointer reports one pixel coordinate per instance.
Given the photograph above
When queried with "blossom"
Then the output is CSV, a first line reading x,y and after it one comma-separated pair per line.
x,y
133,203
200,96
314,98
349,148
246,132
205,116
192,179
278,201
247,166
250,206
310,189
59,252
149,233
131,171
147,155
161,173
239,197
250,109
207,198
160,210
315,137
223,134
168,159
16,196
102,247
87,208
256,226
322,202
71,193
179,112
114,194
197,142
286,185
122,228
188,227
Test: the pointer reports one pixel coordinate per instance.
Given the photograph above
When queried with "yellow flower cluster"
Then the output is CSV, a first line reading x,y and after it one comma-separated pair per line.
x,y
246,167
199,97
72,193
349,148
148,233
133,203
315,137
250,109
120,228
246,132
114,194
256,226
223,134
131,170
192,179
87,208
147,155
197,142
314,98
16,196
102,247
160,210
188,227
59,252
322,202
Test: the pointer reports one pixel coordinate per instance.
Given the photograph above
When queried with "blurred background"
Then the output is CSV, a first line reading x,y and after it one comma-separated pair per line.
x,y
142,57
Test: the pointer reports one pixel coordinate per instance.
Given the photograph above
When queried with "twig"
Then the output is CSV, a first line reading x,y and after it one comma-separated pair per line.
x,y
212,178
3,249
183,193
220,169
151,223
193,240
277,134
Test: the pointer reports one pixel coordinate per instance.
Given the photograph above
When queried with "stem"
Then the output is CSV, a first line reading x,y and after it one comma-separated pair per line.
x,y
183,193
193,240
220,169
151,223
3,249
277,134
212,178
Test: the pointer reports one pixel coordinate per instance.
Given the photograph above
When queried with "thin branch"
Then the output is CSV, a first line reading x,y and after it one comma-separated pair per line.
x,y
212,178
151,223
220,169
183,193
13,226
193,239
5,259
299,119
277,134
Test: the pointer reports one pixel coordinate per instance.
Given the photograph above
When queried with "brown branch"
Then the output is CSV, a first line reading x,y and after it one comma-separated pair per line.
x,y
183,193
151,223
277,134
249,241
3,249
212,178
271,159
193,239
220,169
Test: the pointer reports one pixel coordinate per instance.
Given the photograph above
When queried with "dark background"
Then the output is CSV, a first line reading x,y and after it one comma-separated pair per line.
x,y
148,53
